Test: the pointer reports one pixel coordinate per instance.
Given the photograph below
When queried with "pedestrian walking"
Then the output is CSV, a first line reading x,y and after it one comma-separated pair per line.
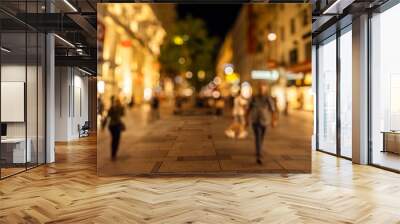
x,y
155,105
115,124
131,103
260,112
237,128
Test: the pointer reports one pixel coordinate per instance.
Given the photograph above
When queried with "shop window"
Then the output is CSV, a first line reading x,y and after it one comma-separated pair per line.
x,y
385,89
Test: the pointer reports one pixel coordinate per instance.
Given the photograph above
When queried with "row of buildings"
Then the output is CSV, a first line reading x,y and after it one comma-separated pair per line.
x,y
273,42
129,45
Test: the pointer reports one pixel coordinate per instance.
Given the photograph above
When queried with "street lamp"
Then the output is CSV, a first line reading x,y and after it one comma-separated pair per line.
x,y
181,60
201,74
189,75
228,69
271,37
178,40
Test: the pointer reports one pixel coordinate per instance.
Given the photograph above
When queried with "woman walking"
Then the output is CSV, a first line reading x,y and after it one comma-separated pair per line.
x,y
115,124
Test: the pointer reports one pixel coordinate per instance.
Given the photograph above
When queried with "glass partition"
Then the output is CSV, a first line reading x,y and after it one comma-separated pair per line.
x,y
22,101
346,93
31,97
41,110
14,153
385,89
327,95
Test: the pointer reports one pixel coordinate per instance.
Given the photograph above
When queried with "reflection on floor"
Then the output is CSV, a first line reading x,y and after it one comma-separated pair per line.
x,y
5,172
387,159
196,143
69,191
11,169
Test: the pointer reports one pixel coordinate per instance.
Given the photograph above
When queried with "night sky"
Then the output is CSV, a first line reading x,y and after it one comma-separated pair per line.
x,y
219,18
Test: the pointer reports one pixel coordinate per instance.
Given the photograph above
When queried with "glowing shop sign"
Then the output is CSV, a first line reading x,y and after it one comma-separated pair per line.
x,y
267,75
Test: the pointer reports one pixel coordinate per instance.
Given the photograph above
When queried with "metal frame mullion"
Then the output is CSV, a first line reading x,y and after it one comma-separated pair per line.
x,y
317,97
26,87
37,91
369,97
338,95
0,95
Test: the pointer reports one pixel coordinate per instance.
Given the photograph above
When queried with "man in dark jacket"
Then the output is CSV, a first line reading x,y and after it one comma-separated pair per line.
x,y
260,112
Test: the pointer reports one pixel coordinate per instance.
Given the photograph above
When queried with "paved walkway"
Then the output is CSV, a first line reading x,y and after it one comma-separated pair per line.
x,y
196,143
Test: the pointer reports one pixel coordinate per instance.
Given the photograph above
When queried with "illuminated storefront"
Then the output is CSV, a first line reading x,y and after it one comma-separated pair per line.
x,y
129,66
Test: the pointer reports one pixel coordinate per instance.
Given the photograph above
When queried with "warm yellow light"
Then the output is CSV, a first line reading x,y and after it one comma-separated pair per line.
x,y
182,60
228,69
235,89
216,94
217,80
189,75
201,74
134,26
232,78
127,85
308,79
100,86
148,94
272,36
178,40
187,92
246,90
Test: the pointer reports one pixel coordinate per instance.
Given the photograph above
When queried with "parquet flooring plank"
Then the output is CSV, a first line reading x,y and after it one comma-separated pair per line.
x,y
69,191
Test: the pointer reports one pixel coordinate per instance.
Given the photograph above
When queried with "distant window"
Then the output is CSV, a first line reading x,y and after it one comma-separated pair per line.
x,y
308,51
260,47
305,17
292,26
293,57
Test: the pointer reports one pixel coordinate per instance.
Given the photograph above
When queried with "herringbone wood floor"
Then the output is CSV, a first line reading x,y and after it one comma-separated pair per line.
x,y
69,191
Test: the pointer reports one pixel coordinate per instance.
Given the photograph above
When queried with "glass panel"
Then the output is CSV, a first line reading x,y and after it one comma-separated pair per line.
x,y
41,99
13,80
386,89
346,94
31,97
327,96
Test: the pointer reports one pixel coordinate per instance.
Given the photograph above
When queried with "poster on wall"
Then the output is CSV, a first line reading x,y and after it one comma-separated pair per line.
x,y
206,120
12,101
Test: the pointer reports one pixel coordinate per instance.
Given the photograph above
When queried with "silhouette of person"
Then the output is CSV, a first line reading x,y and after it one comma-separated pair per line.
x,y
260,111
115,124
155,106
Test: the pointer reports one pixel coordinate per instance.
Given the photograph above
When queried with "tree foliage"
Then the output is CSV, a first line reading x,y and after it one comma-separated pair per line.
x,y
196,53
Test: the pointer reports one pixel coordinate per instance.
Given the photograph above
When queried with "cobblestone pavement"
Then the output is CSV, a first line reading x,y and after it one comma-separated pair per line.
x,y
195,143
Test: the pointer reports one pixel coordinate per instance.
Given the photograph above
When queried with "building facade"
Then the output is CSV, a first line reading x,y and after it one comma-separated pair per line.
x,y
264,40
129,62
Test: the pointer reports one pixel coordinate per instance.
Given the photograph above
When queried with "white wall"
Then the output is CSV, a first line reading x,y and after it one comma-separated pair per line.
x,y
12,73
33,127
71,103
